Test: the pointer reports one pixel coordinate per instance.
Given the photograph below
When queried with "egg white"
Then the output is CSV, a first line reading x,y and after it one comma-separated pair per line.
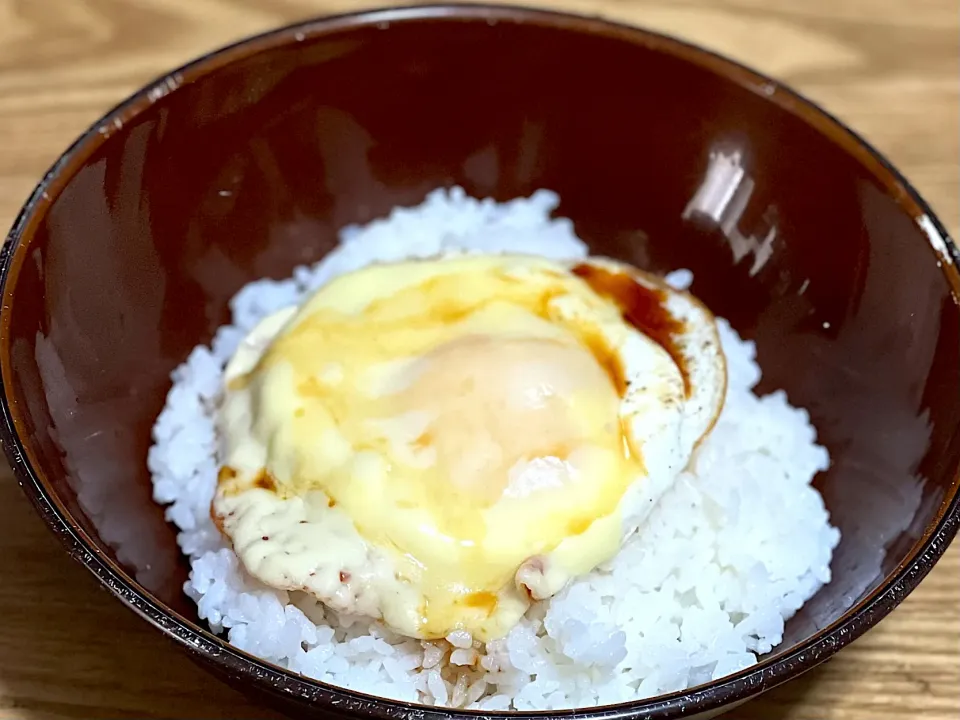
x,y
304,541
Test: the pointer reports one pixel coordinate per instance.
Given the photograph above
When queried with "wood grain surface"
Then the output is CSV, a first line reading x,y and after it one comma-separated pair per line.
x,y
888,67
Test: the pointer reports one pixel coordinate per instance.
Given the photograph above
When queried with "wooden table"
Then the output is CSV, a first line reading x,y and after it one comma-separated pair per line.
x,y
888,67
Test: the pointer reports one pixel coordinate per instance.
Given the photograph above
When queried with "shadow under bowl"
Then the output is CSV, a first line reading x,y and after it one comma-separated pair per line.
x,y
246,163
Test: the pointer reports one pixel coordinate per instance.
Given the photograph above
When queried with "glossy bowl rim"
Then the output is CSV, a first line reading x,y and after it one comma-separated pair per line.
x,y
768,673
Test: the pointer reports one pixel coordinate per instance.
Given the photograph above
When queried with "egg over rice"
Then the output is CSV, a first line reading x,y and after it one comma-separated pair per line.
x,y
433,444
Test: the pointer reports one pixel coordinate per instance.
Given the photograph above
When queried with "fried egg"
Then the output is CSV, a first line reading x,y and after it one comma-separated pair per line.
x,y
440,443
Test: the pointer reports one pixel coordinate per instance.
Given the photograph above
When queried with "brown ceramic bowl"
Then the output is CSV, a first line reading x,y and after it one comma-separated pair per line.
x,y
127,252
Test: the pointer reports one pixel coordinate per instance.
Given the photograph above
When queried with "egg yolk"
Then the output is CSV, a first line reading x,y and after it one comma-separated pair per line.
x,y
496,404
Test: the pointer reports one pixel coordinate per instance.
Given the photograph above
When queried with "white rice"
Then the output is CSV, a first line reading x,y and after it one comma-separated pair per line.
x,y
729,554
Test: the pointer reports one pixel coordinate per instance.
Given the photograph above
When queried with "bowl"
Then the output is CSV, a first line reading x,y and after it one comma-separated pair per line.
x,y
246,162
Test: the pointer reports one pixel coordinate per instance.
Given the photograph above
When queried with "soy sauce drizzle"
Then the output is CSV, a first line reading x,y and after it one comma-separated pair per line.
x,y
644,308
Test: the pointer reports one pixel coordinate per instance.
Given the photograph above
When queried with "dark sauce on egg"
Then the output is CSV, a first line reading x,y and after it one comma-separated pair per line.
x,y
226,474
609,360
644,308
264,480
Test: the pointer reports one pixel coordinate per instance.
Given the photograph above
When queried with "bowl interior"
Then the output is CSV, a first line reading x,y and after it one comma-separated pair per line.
x,y
249,168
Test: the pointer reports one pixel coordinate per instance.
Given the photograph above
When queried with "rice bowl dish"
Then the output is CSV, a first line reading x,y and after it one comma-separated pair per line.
x,y
730,550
